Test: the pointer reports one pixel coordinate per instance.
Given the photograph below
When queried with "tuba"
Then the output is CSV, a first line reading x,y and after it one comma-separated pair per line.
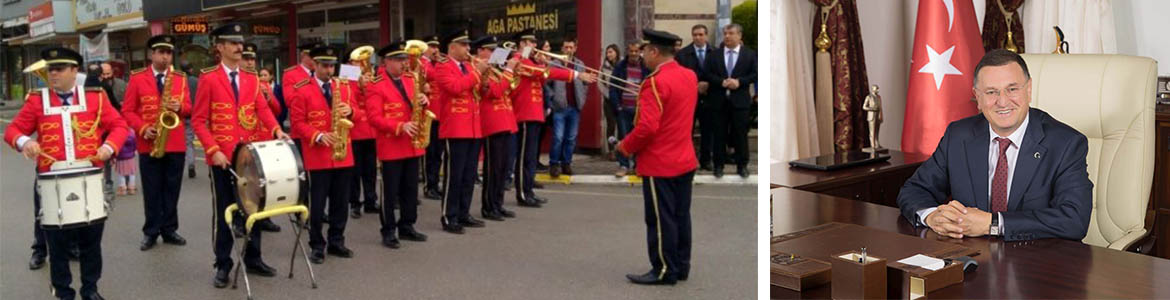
x,y
361,58
167,119
418,114
39,68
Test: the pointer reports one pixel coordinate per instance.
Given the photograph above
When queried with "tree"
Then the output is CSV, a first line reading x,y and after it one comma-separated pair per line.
x,y
744,14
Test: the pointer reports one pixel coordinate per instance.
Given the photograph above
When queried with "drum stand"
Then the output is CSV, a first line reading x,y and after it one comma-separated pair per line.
x,y
298,214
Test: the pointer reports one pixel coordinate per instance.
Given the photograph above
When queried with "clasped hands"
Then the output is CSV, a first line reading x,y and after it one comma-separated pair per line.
x,y
958,221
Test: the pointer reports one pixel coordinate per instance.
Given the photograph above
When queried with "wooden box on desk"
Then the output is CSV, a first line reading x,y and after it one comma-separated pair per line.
x,y
858,280
912,282
796,272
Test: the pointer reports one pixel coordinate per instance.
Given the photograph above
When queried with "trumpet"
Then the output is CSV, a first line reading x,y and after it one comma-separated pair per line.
x,y
628,86
39,68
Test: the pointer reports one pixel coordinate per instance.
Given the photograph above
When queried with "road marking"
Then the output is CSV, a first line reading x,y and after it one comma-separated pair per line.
x,y
637,196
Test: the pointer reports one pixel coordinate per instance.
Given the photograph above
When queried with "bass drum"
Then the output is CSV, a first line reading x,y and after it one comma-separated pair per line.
x,y
71,198
270,176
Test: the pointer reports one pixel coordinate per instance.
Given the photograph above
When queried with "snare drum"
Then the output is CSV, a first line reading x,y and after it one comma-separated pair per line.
x,y
71,198
270,176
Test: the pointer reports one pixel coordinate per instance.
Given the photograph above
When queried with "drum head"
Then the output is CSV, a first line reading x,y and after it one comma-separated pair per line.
x,y
70,172
250,192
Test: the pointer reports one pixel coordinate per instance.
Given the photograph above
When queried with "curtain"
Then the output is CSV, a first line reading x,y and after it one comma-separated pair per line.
x,y
850,84
793,115
995,25
1087,24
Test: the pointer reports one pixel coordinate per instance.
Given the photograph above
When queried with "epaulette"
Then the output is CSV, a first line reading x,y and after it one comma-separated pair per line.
x,y
138,70
378,78
290,68
208,69
441,59
301,83
180,73
248,70
94,89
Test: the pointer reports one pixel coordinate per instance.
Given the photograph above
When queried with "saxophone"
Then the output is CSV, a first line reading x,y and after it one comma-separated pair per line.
x,y
419,115
341,125
167,119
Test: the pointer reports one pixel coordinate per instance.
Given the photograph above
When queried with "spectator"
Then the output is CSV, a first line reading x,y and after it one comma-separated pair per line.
x,y
731,70
568,99
192,82
127,167
117,84
612,55
692,57
633,70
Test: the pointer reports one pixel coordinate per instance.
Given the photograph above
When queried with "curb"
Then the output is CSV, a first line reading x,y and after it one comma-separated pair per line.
x,y
729,180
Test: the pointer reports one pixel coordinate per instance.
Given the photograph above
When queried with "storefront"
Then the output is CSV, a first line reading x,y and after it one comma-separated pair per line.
x,y
113,31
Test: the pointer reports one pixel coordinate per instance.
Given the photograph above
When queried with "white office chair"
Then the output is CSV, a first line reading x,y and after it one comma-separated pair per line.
x,y
1109,99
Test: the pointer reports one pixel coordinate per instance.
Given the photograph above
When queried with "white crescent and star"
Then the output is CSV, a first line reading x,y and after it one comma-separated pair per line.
x,y
939,65
950,4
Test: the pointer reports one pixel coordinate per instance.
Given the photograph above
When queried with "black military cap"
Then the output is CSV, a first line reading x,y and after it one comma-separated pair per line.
x,y
396,49
161,41
432,40
324,54
661,38
230,32
458,36
527,34
249,50
306,47
61,55
485,42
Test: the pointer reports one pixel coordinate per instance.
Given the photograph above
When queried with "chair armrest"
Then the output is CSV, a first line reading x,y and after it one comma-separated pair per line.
x,y
1128,239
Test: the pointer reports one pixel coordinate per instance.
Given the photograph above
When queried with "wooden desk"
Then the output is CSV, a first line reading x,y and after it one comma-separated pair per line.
x,y
1049,268
1159,220
875,183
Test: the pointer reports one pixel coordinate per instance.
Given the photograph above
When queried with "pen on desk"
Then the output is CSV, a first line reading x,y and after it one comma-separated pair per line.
x,y
862,255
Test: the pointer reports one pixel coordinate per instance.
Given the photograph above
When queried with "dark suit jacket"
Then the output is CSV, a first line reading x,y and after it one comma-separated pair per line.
x,y
716,71
1050,194
689,58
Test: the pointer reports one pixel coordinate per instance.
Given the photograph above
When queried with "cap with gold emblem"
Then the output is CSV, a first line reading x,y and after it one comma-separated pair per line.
x,y
161,41
230,32
324,54
61,55
306,47
432,40
458,36
662,38
526,34
249,50
396,49
486,41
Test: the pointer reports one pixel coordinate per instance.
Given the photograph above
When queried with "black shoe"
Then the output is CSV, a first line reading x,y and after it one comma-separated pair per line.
x,y
566,169
410,234
191,172
719,172
506,213
268,225
528,203
221,277
554,170
37,261
742,171
453,228
650,278
173,238
147,243
432,194
539,199
683,276
355,212
94,296
491,215
372,209
261,268
471,222
317,257
537,185
390,242
339,251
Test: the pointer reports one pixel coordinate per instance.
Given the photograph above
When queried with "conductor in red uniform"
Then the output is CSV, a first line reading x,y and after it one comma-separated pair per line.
x,y
162,176
661,143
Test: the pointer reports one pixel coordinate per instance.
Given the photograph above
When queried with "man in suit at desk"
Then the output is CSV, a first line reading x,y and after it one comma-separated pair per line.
x,y
1013,171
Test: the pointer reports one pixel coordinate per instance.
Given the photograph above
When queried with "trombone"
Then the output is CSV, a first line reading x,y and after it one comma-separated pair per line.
x,y
603,78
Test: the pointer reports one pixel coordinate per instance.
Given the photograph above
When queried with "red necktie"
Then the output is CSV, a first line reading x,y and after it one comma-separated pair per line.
x,y
999,183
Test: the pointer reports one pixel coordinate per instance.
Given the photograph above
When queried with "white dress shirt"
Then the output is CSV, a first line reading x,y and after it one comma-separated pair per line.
x,y
1013,151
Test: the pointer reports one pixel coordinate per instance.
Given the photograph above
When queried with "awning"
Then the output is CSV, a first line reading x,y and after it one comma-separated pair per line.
x,y
16,22
16,40
51,37
128,24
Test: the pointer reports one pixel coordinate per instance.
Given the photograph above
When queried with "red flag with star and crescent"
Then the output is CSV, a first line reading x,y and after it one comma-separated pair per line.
x,y
947,46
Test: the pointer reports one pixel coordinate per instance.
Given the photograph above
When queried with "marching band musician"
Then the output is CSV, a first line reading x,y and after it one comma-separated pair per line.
x,y
259,134
69,122
461,130
312,114
162,177
499,124
389,107
228,107
528,102
294,74
364,195
433,160
661,143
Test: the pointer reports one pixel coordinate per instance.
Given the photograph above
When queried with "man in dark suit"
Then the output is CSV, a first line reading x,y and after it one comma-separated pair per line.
x,y
730,71
692,57
1013,171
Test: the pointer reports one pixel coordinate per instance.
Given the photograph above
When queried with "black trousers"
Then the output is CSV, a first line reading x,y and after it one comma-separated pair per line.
x,y
707,125
433,160
462,156
399,191
497,158
329,188
668,223
731,127
38,246
162,179
526,162
365,165
223,189
89,241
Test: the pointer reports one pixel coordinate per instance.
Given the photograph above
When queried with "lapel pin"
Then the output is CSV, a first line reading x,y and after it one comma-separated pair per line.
x,y
1036,155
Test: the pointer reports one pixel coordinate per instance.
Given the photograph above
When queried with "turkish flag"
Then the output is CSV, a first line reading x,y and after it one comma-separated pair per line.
x,y
947,46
